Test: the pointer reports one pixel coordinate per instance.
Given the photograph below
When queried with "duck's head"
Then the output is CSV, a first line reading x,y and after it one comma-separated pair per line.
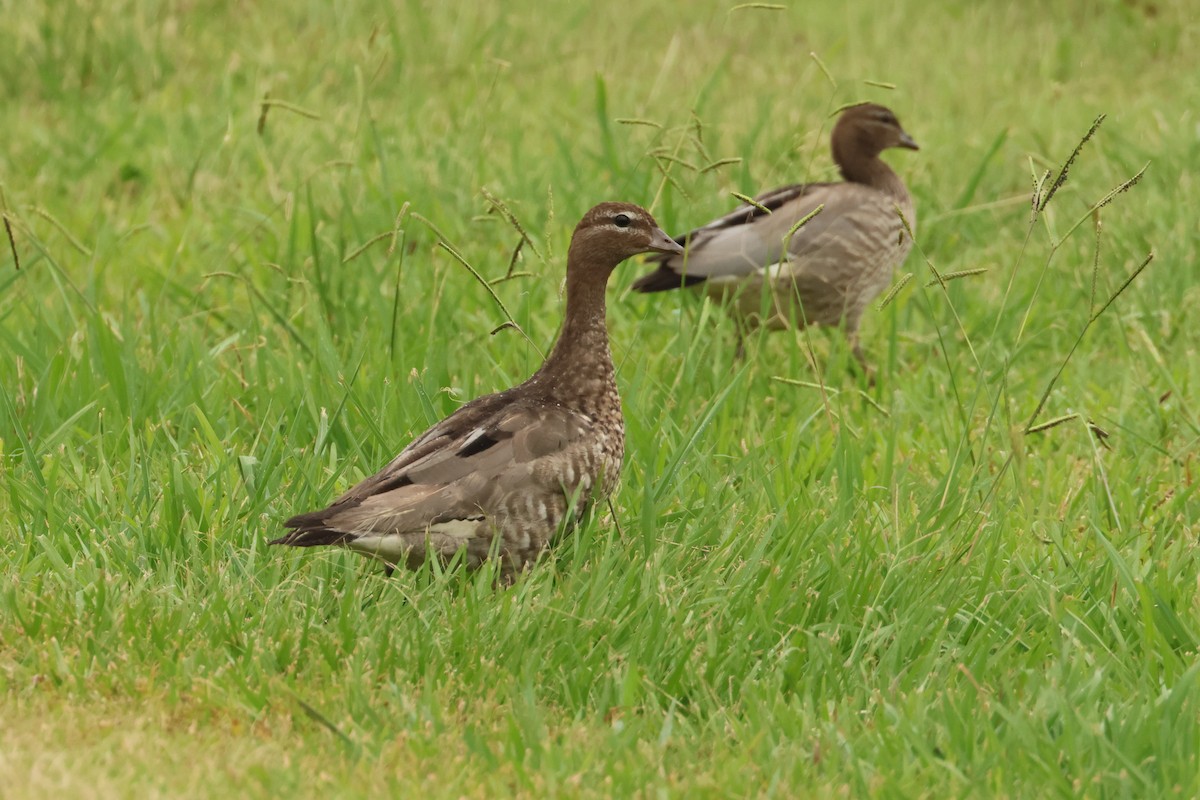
x,y
612,232
866,130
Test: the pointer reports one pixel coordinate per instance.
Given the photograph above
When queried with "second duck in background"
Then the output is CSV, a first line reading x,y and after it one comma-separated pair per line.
x,y
828,270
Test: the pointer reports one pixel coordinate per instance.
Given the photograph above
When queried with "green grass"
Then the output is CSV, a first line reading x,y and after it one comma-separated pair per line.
x,y
223,316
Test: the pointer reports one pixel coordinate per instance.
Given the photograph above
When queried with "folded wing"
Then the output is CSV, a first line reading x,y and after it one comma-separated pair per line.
x,y
454,478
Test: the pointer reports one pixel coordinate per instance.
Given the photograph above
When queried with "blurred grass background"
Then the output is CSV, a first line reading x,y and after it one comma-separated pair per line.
x,y
224,301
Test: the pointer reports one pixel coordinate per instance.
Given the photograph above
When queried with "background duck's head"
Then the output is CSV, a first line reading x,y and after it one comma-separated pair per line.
x,y
865,130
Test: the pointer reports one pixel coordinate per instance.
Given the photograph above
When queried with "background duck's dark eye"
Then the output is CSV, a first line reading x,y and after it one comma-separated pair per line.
x,y
621,220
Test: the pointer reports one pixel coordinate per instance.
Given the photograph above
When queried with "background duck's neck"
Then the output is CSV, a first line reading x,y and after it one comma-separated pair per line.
x,y
871,171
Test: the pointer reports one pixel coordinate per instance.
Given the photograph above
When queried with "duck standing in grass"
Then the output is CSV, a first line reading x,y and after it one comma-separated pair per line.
x,y
829,269
502,474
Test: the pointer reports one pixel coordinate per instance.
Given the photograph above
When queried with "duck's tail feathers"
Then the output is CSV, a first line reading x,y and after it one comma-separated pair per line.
x,y
311,530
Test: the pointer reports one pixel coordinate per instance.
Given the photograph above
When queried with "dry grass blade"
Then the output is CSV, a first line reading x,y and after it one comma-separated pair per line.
x,y
510,325
830,391
262,114
800,223
1132,277
393,235
669,178
512,261
292,107
805,384
396,245
675,160
1063,173
750,201
940,280
12,242
724,162
946,277
507,213
692,134
1051,423
397,231
824,69
904,221
428,223
1102,202
759,6
633,121
362,248
1099,434
1124,187
697,127
895,290
280,318
697,130
1054,380
442,243
511,272
1035,199
46,215
267,104
319,718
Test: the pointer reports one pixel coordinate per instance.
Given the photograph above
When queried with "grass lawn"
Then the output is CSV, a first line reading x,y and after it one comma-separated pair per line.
x,y
228,291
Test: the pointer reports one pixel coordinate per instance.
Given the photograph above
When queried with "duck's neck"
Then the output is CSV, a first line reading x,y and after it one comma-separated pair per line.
x,y
871,171
580,365
861,163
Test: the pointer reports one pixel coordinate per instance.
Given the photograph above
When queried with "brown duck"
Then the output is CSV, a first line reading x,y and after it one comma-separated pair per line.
x,y
507,471
828,270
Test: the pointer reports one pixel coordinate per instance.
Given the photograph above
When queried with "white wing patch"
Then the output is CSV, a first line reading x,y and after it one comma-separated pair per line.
x,y
470,438
394,547
462,529
390,547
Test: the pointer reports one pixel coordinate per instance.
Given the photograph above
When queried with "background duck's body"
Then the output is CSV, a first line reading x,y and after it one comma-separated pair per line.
x,y
506,471
828,270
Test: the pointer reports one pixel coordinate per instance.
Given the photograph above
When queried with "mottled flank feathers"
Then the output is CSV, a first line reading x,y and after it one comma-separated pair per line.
x,y
507,471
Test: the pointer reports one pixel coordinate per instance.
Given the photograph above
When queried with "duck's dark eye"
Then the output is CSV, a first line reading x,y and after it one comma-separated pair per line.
x,y
621,220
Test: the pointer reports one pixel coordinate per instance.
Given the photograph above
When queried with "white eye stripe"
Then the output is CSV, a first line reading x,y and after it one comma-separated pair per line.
x,y
608,218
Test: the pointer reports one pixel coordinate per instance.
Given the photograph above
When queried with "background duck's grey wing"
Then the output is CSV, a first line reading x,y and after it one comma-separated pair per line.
x,y
738,243
772,201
